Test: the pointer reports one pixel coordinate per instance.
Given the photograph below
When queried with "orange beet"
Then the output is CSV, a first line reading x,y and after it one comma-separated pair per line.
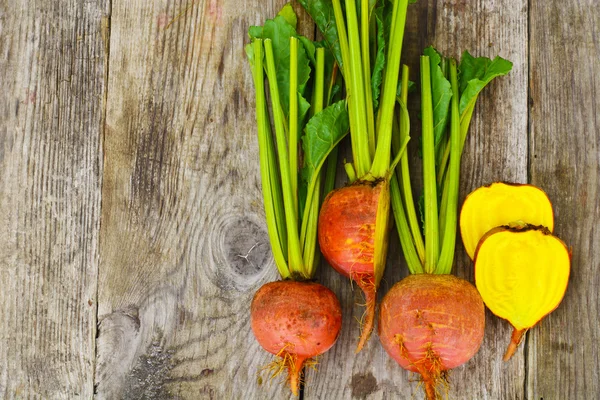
x,y
430,324
295,321
353,236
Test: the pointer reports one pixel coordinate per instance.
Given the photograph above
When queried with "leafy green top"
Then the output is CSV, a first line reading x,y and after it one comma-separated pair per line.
x,y
448,94
295,69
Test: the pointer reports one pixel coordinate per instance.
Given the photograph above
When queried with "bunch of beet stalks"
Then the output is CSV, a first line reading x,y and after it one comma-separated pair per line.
x,y
431,321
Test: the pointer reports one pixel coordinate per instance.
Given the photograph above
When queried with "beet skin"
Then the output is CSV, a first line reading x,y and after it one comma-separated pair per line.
x,y
347,228
430,324
353,243
295,321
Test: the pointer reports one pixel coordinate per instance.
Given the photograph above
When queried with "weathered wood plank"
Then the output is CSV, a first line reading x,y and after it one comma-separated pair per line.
x,y
371,374
183,239
564,152
52,62
495,150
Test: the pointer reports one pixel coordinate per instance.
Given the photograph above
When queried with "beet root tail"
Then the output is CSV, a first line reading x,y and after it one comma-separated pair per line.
x,y
295,374
515,341
430,368
430,392
367,284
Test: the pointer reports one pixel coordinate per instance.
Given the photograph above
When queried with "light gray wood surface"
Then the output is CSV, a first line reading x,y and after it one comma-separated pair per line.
x,y
183,238
52,80
564,154
133,235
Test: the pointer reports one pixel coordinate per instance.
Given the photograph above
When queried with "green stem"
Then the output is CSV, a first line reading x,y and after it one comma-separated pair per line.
x,y
411,241
381,161
442,145
449,240
275,181
293,122
408,246
312,188
331,172
400,153
310,245
404,176
349,168
328,99
333,156
309,238
347,72
319,89
443,205
465,121
356,101
294,252
443,162
429,180
267,164
366,67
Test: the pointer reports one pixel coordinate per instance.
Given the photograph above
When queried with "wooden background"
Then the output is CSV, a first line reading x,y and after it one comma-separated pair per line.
x,y
132,234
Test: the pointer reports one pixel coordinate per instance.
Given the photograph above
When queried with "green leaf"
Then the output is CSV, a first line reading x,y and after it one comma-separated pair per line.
x,y
388,14
385,114
303,107
442,94
255,32
335,90
323,132
372,4
476,73
330,63
383,21
309,47
379,65
288,13
321,12
280,31
411,88
421,206
249,49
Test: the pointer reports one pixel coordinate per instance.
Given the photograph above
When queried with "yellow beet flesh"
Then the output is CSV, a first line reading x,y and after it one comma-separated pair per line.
x,y
502,204
522,275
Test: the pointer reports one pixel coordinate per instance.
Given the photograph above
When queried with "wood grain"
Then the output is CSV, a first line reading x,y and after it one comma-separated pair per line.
x,y
183,239
52,63
496,150
146,108
564,151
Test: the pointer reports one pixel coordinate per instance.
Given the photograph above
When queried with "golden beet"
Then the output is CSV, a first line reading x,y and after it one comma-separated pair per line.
x,y
353,236
430,324
296,321
500,204
522,276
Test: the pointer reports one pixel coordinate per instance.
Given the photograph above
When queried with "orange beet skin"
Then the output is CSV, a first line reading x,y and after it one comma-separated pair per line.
x,y
430,324
347,228
349,241
296,321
